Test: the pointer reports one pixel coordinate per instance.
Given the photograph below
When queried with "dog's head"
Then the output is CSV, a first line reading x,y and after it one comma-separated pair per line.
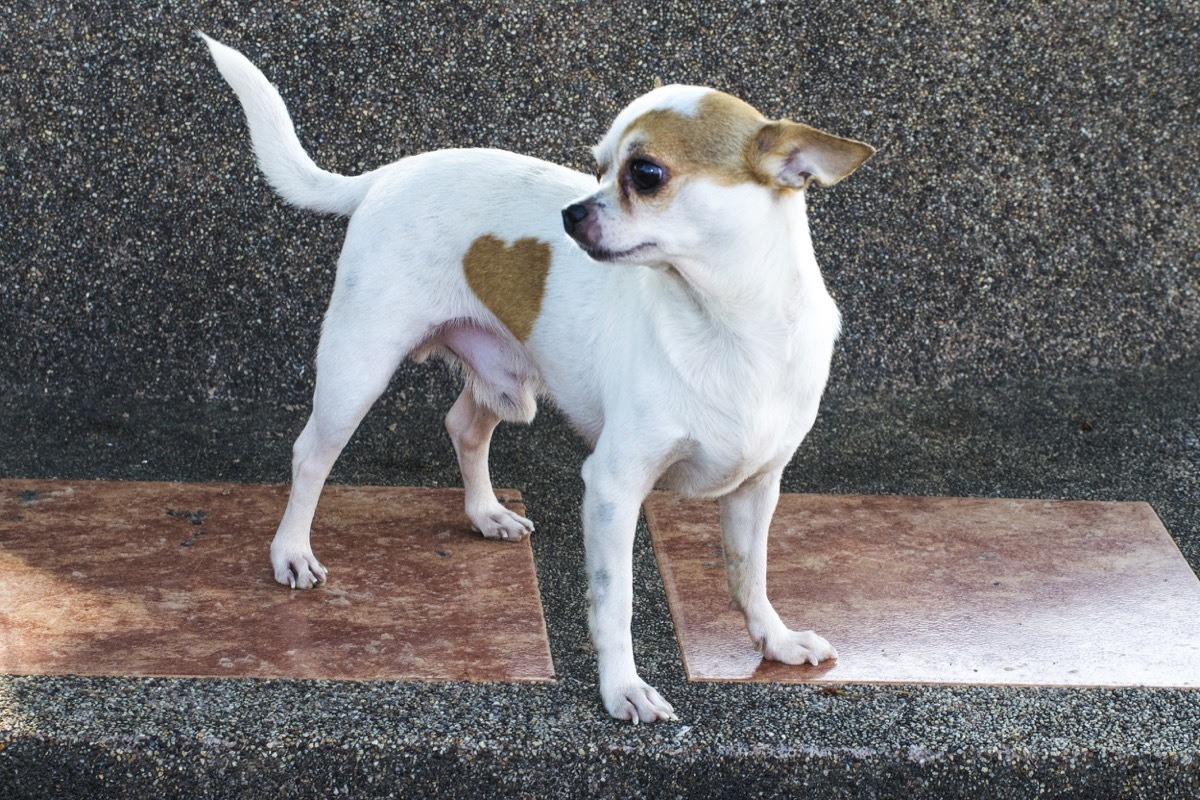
x,y
684,167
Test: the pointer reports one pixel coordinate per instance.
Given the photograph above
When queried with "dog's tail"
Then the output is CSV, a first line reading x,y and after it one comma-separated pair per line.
x,y
280,156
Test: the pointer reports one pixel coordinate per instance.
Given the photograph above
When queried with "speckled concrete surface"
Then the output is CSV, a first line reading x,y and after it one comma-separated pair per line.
x,y
1032,207
1018,269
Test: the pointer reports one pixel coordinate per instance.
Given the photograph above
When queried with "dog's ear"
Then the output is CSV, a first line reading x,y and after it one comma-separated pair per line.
x,y
794,156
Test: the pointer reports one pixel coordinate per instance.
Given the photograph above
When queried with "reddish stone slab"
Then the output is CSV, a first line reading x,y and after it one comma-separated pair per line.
x,y
944,590
172,579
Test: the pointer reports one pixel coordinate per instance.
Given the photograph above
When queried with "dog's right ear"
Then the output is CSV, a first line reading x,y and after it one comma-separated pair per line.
x,y
794,156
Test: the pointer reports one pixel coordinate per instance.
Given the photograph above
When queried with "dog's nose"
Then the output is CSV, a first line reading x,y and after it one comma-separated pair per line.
x,y
573,215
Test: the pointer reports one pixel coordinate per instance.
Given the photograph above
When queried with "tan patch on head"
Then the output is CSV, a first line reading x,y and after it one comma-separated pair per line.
x,y
728,141
712,143
510,280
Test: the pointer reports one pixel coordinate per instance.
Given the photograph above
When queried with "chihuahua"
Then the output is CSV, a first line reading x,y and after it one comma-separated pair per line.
x,y
671,307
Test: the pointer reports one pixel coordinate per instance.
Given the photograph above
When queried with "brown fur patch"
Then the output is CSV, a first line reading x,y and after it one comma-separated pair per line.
x,y
713,143
510,280
728,141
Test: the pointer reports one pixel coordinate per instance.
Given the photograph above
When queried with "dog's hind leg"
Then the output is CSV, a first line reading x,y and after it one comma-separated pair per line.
x,y
351,374
470,425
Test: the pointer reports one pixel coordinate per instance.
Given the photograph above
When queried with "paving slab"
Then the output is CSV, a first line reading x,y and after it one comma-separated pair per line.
x,y
943,590
137,579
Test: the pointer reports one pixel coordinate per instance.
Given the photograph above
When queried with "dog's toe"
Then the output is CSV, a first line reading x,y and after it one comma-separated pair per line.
x,y
638,703
500,523
300,572
798,647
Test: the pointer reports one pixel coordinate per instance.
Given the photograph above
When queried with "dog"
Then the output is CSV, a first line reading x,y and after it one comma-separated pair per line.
x,y
671,306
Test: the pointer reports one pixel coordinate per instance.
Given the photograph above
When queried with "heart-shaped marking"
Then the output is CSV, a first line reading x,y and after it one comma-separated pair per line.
x,y
509,279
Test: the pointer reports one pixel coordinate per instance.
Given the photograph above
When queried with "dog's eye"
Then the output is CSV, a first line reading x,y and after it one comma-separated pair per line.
x,y
646,175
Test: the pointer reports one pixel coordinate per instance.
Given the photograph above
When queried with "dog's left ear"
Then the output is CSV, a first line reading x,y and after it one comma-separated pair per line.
x,y
794,156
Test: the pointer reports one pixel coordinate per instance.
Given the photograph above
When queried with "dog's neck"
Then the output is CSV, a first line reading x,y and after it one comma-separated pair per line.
x,y
756,285
747,310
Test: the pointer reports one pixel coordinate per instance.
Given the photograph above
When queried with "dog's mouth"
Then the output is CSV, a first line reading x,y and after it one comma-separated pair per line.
x,y
604,254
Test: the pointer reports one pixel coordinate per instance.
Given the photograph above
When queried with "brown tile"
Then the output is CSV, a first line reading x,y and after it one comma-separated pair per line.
x,y
944,590
174,579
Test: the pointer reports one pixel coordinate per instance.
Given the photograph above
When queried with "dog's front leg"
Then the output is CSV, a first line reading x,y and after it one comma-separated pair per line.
x,y
745,518
612,498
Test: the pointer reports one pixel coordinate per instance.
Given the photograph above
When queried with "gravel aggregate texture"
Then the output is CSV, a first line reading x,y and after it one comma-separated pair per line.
x,y
1018,270
1031,209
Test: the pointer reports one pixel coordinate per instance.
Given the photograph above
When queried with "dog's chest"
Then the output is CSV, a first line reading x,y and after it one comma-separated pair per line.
x,y
627,360
717,460
751,426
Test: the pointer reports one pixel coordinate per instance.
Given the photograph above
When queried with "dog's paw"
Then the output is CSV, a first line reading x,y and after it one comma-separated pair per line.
x,y
299,570
497,522
797,647
637,702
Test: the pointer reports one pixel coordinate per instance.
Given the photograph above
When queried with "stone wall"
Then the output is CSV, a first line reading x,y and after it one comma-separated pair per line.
x,y
1032,209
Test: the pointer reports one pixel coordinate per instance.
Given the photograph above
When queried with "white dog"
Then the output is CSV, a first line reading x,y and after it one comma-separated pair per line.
x,y
682,326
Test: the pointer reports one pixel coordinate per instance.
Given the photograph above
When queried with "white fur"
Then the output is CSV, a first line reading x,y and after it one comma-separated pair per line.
x,y
702,373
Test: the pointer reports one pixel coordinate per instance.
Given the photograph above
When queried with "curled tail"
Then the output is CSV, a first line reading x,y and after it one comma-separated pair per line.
x,y
280,156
